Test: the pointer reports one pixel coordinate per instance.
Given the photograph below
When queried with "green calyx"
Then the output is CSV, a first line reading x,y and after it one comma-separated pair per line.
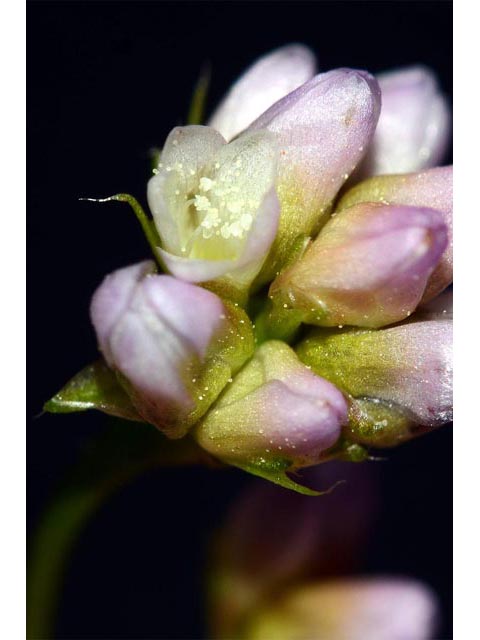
x,y
360,363
230,349
378,423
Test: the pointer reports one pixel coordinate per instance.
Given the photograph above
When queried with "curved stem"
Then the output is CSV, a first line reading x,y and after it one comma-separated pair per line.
x,y
115,459
197,105
147,225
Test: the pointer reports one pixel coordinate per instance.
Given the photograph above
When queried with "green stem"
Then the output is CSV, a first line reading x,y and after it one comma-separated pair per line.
x,y
147,225
116,458
55,538
197,106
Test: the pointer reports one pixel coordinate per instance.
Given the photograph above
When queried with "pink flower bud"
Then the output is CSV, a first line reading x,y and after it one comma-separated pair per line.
x,y
322,130
270,78
275,409
414,126
368,267
408,366
174,345
432,188
353,609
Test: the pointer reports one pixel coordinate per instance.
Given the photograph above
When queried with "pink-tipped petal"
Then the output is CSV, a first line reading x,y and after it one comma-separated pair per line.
x,y
275,408
323,130
112,299
409,365
432,188
368,267
270,78
414,128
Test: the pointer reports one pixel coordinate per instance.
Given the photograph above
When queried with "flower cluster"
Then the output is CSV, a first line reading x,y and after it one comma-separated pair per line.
x,y
306,233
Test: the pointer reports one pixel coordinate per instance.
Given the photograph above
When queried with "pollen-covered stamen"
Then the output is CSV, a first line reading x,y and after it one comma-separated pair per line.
x,y
207,194
219,211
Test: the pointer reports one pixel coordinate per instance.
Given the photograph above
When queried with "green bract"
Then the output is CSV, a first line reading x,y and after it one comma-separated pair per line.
x,y
94,387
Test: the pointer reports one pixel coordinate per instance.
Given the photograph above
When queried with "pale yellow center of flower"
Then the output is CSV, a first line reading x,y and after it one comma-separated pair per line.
x,y
229,220
213,191
218,212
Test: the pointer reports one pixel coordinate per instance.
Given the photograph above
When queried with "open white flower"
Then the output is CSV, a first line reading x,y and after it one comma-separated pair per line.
x,y
214,204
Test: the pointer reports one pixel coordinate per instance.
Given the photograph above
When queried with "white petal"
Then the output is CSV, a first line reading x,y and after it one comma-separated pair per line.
x,y
245,268
414,126
270,78
187,150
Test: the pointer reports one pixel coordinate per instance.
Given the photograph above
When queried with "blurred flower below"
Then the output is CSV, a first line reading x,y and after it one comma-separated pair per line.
x,y
282,568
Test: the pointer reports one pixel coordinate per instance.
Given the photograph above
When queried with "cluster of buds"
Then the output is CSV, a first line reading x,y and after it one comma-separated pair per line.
x,y
300,239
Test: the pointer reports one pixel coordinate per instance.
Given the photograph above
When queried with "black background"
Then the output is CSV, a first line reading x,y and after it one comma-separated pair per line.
x,y
106,82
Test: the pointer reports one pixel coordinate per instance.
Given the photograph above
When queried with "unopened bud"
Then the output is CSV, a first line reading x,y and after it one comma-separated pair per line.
x,y
275,409
174,345
368,267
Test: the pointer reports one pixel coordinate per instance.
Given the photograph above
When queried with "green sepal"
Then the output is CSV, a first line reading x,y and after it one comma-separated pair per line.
x,y
94,387
373,189
347,450
379,423
196,112
274,471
